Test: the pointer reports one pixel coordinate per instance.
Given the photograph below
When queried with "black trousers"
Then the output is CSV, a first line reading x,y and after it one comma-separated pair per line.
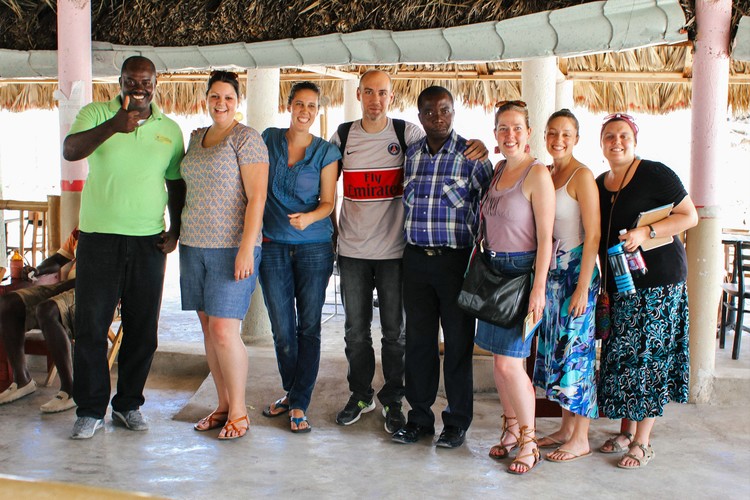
x,y
431,287
112,268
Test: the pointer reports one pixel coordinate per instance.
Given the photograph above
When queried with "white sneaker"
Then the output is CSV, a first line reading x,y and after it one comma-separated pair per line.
x,y
63,401
13,392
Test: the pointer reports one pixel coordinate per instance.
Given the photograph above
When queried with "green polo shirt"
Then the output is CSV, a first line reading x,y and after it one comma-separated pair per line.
x,y
125,192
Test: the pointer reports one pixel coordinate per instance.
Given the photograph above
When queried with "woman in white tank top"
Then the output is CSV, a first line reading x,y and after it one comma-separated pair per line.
x,y
566,352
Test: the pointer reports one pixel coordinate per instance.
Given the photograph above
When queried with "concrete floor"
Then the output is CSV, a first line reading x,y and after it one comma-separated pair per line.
x,y
701,451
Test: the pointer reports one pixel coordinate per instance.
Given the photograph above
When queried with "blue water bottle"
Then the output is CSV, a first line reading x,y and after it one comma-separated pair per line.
x,y
618,262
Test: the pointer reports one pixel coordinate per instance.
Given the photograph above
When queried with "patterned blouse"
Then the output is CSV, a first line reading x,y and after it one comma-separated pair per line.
x,y
214,213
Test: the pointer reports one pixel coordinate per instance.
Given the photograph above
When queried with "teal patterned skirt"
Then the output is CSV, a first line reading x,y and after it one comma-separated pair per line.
x,y
566,352
645,362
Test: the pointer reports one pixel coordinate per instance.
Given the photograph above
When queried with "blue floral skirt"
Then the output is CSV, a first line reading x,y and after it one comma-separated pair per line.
x,y
566,351
645,362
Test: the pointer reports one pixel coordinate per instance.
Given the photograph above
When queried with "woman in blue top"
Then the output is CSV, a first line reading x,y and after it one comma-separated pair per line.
x,y
297,248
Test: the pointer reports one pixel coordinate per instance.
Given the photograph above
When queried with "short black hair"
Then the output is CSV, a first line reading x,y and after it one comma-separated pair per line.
x,y
229,77
302,86
433,91
136,59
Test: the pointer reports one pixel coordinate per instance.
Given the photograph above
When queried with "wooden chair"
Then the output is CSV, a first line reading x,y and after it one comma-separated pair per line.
x,y
734,295
35,344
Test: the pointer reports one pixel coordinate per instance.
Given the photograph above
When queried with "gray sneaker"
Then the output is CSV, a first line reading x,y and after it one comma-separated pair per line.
x,y
85,427
132,419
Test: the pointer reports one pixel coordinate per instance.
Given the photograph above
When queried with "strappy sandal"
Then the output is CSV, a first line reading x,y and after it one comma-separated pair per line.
x,y
525,439
614,446
231,426
501,451
279,404
212,421
648,454
297,421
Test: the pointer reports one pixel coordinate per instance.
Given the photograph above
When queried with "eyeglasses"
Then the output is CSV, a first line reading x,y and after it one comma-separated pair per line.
x,y
621,116
520,104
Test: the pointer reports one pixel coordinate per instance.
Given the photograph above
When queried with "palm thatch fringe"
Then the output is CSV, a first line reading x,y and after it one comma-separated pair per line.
x,y
188,97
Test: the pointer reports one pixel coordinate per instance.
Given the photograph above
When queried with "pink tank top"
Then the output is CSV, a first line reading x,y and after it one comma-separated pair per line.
x,y
509,224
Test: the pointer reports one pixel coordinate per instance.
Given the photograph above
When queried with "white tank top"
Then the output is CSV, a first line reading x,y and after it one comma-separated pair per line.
x,y
568,229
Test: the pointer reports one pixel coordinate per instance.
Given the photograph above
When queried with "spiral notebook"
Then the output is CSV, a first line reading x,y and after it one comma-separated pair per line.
x,y
651,217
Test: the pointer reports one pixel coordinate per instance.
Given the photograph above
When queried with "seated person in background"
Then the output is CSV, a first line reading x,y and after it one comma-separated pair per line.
x,y
50,308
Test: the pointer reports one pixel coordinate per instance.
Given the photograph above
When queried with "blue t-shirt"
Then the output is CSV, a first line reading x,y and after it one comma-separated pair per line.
x,y
295,189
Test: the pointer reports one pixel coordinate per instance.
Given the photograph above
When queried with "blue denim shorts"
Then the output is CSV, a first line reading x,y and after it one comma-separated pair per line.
x,y
207,281
496,339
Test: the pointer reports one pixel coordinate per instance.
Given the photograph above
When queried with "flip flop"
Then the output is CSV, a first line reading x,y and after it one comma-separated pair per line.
x,y
573,456
297,421
278,404
551,442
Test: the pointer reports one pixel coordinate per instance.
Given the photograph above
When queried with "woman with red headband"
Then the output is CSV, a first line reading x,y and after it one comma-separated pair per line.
x,y
645,360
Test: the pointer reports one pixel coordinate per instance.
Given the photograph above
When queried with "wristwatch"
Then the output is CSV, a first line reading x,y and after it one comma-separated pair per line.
x,y
652,234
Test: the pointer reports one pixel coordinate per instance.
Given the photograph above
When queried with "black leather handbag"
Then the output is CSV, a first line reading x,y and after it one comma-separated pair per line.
x,y
489,294
492,296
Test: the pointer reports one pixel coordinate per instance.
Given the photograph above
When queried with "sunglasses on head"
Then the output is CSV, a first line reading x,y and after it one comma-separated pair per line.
x,y
228,74
520,104
621,116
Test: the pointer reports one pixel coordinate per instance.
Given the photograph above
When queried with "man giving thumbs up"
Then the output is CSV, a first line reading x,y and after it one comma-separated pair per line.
x,y
133,151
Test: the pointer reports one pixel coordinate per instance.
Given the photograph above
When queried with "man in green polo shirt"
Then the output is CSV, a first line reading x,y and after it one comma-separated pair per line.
x,y
133,150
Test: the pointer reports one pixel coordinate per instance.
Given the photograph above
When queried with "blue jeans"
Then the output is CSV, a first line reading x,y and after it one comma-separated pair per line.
x,y
294,280
112,268
358,279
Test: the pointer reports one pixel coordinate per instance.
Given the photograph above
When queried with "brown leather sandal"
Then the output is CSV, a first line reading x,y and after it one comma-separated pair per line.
x,y
232,426
212,421
500,450
525,439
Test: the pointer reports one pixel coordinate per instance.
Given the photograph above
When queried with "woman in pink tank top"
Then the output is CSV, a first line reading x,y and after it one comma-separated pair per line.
x,y
519,213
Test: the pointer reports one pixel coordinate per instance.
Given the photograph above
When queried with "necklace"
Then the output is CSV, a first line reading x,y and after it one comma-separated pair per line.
x,y
614,195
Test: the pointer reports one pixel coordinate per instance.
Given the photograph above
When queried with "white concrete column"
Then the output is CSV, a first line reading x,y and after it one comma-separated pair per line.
x,y
538,88
709,140
564,93
352,108
262,97
74,75
262,109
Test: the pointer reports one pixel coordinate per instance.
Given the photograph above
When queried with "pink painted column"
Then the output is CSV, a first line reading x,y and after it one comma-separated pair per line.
x,y
74,76
709,140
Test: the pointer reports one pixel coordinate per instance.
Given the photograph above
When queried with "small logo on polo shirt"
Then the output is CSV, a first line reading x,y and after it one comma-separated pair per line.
x,y
394,148
162,139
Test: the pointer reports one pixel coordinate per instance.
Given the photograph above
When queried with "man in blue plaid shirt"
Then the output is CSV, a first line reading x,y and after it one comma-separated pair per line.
x,y
441,199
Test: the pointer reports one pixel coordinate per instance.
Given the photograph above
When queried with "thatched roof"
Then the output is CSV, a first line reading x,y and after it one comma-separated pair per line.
x,y
26,25
602,82
31,25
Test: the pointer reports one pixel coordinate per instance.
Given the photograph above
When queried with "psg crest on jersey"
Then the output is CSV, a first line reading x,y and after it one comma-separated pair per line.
x,y
394,148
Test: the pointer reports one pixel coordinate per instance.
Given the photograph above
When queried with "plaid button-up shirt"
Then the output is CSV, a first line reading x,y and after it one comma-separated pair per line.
x,y
441,194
